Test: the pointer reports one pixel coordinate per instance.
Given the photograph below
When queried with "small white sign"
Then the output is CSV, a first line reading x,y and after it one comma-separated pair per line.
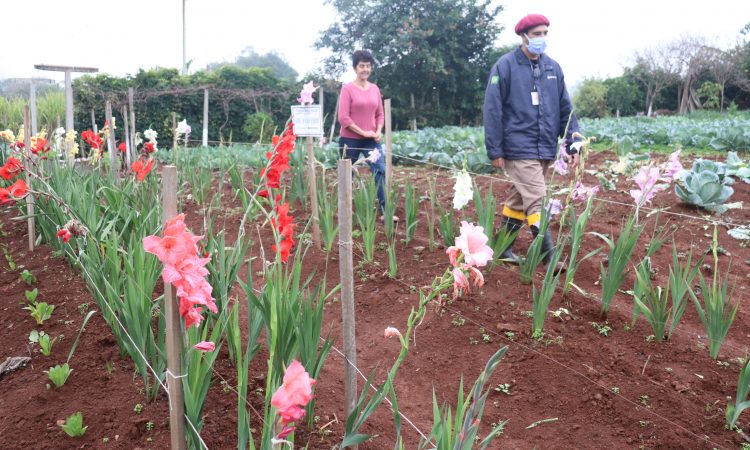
x,y
308,120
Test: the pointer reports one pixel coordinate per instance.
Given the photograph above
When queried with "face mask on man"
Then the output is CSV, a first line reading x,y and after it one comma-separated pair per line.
x,y
536,45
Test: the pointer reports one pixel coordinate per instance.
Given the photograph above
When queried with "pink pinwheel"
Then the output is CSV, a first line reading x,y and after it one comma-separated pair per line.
x,y
306,95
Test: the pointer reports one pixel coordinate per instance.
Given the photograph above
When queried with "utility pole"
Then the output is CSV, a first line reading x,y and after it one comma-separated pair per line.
x,y
184,40
68,87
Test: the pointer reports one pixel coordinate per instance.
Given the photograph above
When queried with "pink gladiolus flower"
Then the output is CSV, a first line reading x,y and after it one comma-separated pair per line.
x,y
175,245
305,96
673,166
475,276
473,244
581,193
391,332
646,180
374,156
554,207
453,253
459,282
295,392
205,346
560,166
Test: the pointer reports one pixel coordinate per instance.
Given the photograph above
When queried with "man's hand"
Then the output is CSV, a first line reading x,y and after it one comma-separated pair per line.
x,y
499,163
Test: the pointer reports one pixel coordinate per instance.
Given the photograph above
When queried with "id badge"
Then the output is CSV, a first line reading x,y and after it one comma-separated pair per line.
x,y
535,98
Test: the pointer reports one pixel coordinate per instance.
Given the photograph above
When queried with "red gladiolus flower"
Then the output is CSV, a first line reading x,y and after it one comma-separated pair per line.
x,y
91,138
39,145
14,192
64,234
122,147
142,168
285,226
148,147
11,168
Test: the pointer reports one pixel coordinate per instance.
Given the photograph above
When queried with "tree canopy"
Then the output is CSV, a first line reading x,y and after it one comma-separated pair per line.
x,y
433,54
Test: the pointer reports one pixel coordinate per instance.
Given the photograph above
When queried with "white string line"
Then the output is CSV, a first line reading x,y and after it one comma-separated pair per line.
x,y
596,198
563,365
372,386
156,375
650,411
705,438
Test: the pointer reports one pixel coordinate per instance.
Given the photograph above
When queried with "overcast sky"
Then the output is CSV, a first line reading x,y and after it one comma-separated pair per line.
x,y
588,38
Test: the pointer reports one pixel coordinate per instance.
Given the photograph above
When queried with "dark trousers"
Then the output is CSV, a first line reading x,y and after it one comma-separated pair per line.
x,y
356,147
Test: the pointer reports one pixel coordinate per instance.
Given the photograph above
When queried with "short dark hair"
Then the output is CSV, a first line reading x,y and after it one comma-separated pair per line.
x,y
362,56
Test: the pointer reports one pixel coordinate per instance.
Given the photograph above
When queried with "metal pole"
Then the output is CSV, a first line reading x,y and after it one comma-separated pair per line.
x,y
68,102
32,102
205,117
29,196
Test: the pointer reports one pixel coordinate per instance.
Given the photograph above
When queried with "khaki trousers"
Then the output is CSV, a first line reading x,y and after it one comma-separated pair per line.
x,y
529,188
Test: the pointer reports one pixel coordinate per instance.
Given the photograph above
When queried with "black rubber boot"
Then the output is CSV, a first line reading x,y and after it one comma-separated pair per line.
x,y
511,226
548,246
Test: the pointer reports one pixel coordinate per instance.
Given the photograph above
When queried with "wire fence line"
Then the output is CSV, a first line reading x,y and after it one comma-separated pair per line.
x,y
574,371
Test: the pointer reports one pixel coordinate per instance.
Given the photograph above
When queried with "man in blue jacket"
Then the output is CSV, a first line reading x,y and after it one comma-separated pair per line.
x,y
526,110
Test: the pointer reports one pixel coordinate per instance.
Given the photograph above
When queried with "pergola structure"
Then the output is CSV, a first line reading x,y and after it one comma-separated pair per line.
x,y
68,87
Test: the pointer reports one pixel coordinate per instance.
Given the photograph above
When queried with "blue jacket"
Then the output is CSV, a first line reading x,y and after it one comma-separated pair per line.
x,y
513,127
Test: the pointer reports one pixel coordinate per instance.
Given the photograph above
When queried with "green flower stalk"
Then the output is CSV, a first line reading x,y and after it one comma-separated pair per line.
x,y
411,208
619,255
365,213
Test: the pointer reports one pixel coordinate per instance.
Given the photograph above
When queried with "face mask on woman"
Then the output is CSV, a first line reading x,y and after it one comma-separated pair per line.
x,y
536,45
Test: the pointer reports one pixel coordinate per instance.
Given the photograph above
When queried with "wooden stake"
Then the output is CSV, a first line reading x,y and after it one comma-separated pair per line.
x,y
132,118
111,147
388,146
205,117
174,136
346,274
312,186
128,145
29,196
173,328
93,122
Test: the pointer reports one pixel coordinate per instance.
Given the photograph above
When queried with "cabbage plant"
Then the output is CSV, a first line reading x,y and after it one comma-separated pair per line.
x,y
705,186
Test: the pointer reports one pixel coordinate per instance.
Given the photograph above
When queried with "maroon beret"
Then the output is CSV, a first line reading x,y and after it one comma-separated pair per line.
x,y
530,21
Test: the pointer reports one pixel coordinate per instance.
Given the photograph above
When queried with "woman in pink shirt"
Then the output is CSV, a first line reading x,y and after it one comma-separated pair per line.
x,y
361,118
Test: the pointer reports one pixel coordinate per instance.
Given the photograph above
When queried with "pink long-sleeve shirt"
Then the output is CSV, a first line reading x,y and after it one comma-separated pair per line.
x,y
362,107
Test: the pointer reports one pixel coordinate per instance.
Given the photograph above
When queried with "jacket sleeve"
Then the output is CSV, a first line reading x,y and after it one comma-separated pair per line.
x,y
345,103
493,114
566,110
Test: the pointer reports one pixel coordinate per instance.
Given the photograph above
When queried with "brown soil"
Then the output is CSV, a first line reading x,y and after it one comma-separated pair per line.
x,y
618,390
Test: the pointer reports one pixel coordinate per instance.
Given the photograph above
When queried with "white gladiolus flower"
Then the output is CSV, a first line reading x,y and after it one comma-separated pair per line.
x,y
463,190
150,134
183,128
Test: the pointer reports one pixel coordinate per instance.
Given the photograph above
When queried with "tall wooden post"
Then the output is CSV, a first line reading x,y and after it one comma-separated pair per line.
x,y
128,145
174,137
29,197
333,123
388,145
114,161
205,118
131,109
173,332
93,122
312,186
346,274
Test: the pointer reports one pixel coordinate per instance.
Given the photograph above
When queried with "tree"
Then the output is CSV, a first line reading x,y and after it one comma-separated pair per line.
x,y
250,58
590,99
623,95
689,55
432,55
723,66
654,69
